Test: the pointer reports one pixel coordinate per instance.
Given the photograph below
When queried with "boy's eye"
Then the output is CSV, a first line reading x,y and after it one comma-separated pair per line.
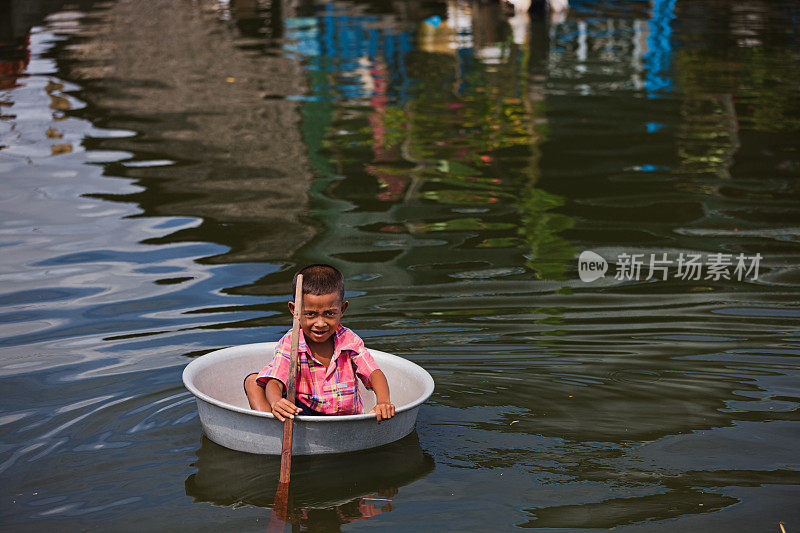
x,y
326,314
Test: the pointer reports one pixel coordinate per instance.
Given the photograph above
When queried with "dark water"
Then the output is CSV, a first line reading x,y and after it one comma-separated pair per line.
x,y
166,166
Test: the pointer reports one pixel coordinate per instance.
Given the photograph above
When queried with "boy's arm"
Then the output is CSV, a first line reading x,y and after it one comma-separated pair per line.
x,y
384,408
256,395
281,407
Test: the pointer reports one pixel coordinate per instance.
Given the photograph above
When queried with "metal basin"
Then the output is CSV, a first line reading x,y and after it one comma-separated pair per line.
x,y
216,381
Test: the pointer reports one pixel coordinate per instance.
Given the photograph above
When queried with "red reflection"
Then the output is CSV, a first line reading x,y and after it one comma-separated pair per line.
x,y
394,185
357,509
14,59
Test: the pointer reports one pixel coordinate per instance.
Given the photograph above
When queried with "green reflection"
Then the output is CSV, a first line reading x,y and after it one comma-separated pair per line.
x,y
736,79
465,138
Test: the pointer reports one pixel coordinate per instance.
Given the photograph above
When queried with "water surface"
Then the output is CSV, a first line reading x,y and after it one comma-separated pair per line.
x,y
165,169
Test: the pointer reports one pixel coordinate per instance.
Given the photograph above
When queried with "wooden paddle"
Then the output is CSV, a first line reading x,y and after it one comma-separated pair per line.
x,y
280,505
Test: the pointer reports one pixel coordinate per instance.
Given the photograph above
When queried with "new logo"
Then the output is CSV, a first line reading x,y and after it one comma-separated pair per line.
x,y
591,266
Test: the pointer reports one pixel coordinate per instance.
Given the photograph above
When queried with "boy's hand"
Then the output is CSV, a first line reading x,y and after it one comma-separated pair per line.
x,y
283,409
383,411
384,408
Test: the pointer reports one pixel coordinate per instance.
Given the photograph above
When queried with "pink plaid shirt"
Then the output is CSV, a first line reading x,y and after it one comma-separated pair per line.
x,y
331,390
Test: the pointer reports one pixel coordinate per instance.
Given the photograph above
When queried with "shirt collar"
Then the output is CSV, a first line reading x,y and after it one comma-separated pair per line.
x,y
343,339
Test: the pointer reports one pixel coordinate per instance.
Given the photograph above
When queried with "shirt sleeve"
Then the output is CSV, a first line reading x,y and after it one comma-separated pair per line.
x,y
364,364
278,368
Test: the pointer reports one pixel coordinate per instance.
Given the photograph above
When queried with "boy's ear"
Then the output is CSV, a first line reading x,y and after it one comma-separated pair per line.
x,y
344,306
291,307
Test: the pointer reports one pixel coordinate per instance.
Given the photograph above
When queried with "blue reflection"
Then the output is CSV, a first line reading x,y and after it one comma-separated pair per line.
x,y
657,60
434,20
334,41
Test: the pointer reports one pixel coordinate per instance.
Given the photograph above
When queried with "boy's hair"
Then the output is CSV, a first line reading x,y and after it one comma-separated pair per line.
x,y
320,279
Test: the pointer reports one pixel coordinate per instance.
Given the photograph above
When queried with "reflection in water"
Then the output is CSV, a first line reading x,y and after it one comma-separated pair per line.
x,y
448,123
324,489
215,141
625,511
751,94
13,59
165,167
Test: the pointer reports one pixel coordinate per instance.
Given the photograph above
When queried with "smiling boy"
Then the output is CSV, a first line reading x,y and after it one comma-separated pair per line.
x,y
330,359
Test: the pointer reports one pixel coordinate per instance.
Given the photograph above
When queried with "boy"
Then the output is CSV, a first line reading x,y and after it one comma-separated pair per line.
x,y
330,356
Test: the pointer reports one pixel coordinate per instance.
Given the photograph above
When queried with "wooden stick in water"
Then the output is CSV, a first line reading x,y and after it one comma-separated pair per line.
x,y
281,502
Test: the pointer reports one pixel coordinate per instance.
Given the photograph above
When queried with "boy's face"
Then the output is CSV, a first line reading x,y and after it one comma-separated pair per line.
x,y
321,316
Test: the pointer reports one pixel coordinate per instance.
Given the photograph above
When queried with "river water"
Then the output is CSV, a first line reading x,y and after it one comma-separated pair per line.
x,y
166,166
